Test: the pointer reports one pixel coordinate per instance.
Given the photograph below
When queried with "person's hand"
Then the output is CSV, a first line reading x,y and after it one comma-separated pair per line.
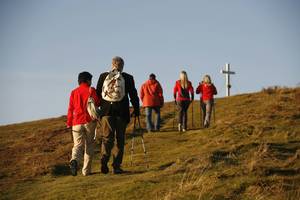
x,y
68,127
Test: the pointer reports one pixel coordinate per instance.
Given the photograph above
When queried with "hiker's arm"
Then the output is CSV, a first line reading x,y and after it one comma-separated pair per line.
x,y
192,92
99,86
134,99
70,111
142,93
175,90
199,89
215,90
95,97
160,94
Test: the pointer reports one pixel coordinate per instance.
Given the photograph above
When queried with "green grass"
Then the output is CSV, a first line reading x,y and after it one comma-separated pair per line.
x,y
252,151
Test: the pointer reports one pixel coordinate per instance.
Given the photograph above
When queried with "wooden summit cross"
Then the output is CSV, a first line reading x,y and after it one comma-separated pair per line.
x,y
228,73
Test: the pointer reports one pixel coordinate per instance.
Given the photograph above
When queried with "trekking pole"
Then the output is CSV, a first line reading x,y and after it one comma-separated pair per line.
x,y
143,143
192,114
132,143
214,109
174,112
201,115
131,151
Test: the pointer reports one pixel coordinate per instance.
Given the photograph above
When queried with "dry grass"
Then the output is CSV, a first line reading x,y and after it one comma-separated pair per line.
x,y
251,152
193,180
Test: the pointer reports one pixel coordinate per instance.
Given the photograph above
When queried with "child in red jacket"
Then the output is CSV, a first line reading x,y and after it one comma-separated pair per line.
x,y
83,127
208,90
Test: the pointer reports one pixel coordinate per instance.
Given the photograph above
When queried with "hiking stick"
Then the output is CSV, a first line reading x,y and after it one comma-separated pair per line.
x,y
214,110
201,115
132,143
192,114
131,151
144,149
174,116
143,143
135,127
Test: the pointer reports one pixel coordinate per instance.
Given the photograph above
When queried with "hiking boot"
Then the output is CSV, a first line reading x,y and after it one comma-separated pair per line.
x,y
179,127
118,170
206,125
86,174
73,167
104,169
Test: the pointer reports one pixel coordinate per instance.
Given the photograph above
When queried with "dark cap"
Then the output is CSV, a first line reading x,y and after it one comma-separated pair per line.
x,y
84,77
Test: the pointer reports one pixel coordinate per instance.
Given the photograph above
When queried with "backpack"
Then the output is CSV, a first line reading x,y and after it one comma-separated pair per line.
x,y
184,93
92,109
113,89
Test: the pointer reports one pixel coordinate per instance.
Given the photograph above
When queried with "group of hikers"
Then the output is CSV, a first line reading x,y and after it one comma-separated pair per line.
x,y
108,105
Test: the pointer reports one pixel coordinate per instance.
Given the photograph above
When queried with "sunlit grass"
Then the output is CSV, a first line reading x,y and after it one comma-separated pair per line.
x,y
251,151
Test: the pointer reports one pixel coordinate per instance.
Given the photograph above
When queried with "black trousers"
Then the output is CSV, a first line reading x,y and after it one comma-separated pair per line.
x,y
183,107
113,128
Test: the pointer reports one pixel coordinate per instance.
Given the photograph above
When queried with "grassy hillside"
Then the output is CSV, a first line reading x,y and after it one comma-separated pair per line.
x,y
251,151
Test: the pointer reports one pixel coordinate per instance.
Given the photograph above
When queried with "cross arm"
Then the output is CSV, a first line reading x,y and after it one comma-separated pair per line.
x,y
227,72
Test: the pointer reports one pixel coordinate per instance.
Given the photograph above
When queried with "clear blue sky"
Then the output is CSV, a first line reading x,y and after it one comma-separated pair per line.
x,y
45,44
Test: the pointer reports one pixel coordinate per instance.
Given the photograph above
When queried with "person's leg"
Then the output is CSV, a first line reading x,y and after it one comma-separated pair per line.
x,y
185,114
157,121
78,138
208,113
108,130
77,132
203,107
119,150
89,148
148,112
180,114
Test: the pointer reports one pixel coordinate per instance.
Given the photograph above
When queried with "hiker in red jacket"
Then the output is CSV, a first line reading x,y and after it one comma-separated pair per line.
x,y
151,95
83,127
183,95
208,90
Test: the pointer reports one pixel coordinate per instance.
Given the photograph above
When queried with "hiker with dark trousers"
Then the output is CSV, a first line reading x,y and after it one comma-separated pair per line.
x,y
183,95
207,90
83,127
151,94
113,88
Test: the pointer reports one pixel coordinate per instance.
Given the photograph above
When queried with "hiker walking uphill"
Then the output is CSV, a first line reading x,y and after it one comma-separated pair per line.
x,y
113,89
83,126
151,95
183,95
208,90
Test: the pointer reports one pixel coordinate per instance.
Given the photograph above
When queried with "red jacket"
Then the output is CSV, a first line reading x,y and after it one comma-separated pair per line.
x,y
151,94
77,112
180,97
207,90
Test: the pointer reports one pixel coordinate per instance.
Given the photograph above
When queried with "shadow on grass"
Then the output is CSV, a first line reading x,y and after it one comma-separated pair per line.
x,y
61,170
133,172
